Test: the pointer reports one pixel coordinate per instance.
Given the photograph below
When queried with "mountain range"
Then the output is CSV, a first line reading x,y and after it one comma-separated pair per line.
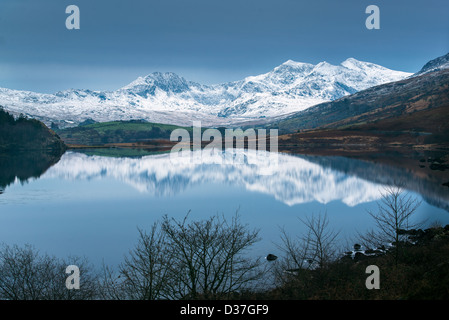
x,y
403,123
171,99
426,90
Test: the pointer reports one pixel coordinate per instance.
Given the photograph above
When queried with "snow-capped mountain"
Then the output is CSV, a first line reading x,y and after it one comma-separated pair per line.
x,y
169,98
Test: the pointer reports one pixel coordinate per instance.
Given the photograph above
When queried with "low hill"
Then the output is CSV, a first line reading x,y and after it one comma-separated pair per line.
x,y
27,135
116,132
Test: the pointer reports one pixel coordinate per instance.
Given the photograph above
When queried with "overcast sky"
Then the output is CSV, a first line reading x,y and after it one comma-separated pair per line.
x,y
207,41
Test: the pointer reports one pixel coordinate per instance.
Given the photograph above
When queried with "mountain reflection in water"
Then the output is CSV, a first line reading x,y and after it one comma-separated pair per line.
x,y
24,165
291,180
89,204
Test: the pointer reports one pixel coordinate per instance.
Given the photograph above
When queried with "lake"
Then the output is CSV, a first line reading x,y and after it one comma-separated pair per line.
x,y
91,204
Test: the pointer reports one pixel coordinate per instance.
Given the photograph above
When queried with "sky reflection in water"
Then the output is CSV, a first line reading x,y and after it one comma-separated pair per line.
x,y
92,205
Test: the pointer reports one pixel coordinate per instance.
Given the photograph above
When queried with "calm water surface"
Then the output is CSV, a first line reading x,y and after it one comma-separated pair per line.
x,y
92,205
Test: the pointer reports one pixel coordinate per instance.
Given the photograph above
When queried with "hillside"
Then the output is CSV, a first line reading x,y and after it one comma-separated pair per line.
x,y
116,132
435,65
402,124
27,134
405,97
425,129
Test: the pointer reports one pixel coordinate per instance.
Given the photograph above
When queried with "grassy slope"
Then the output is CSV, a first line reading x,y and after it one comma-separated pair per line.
x,y
105,127
117,132
427,129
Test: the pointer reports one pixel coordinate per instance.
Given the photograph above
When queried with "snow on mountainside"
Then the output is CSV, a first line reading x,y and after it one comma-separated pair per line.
x,y
439,63
169,98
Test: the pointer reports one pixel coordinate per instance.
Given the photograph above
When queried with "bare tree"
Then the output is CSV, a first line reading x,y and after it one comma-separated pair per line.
x,y
182,259
27,275
316,248
321,240
394,213
209,259
144,274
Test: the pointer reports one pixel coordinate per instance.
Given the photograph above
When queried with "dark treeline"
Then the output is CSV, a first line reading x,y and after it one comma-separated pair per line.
x,y
27,134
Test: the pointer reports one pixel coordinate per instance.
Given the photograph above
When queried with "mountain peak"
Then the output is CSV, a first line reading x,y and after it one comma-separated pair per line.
x,y
292,63
323,64
435,65
166,81
162,75
350,61
354,64
325,67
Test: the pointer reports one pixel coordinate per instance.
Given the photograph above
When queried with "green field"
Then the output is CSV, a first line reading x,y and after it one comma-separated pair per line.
x,y
117,132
